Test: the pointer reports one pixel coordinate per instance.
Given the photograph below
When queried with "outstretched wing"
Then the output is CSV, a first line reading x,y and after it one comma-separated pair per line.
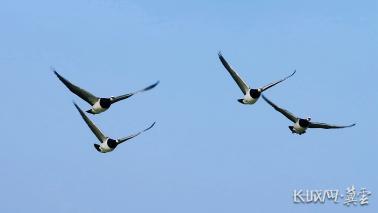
x,y
100,136
276,82
242,85
286,113
327,126
85,95
121,140
122,97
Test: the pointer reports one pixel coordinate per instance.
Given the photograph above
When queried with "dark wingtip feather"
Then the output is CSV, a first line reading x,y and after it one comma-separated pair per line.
x,y
220,56
152,125
151,86
290,74
75,104
55,72
59,76
53,69
78,108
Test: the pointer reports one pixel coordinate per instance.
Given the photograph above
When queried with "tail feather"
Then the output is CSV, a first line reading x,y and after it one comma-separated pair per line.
x,y
292,129
97,147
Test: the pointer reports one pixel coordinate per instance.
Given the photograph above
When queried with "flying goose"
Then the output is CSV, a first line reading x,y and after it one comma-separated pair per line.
x,y
250,95
98,104
301,124
107,144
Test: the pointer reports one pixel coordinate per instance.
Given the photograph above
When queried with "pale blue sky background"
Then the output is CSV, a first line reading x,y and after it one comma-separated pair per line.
x,y
207,153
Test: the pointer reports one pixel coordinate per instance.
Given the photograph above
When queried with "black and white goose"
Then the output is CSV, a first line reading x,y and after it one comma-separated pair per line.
x,y
98,104
107,144
250,95
301,124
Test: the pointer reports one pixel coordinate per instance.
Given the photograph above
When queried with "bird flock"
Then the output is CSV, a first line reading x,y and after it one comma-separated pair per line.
x,y
100,105
251,95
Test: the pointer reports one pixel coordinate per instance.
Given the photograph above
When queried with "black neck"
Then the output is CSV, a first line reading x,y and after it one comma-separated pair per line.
x,y
254,93
112,143
304,123
105,103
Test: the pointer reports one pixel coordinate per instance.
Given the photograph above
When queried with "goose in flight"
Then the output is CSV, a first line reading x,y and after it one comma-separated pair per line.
x,y
250,95
107,144
301,124
98,104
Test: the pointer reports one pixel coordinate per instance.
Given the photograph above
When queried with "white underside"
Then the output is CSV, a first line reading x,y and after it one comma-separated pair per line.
x,y
248,99
299,129
96,108
105,148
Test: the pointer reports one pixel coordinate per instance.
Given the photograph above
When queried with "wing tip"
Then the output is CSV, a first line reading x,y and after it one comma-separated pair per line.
x,y
149,87
53,69
152,125
78,108
74,103
155,84
55,72
61,78
295,71
221,58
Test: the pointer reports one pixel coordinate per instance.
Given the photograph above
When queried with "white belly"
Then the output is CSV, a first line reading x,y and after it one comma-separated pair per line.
x,y
299,129
249,100
96,108
105,148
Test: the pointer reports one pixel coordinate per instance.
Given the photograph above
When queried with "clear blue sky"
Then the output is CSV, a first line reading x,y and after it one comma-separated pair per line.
x,y
207,153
